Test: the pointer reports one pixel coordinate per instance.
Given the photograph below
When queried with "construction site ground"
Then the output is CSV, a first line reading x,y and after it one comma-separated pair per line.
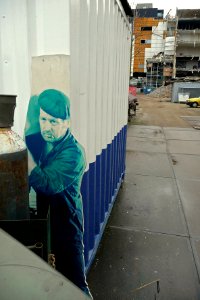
x,y
151,245
162,112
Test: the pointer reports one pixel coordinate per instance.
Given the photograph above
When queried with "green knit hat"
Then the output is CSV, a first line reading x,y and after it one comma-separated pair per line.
x,y
55,103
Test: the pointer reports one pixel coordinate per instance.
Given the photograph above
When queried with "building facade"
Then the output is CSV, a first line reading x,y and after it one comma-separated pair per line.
x,y
188,43
161,66
165,48
147,34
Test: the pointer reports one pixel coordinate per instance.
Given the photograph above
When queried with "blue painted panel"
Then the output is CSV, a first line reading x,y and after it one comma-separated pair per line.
x,y
98,195
108,176
103,182
113,167
100,186
110,173
86,204
116,163
91,197
119,145
116,159
124,148
114,170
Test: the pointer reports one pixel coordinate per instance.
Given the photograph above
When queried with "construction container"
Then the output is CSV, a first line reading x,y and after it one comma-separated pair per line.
x,y
182,90
100,59
81,48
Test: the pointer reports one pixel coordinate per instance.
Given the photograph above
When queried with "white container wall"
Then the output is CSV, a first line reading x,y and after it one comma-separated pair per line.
x,y
14,57
81,47
99,76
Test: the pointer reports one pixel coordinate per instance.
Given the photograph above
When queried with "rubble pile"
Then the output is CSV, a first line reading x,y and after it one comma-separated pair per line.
x,y
163,92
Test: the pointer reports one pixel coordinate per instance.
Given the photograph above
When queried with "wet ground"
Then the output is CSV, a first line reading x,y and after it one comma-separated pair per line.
x,y
151,245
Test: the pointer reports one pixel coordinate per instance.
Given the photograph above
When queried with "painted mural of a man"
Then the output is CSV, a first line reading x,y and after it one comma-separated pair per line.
x,y
56,166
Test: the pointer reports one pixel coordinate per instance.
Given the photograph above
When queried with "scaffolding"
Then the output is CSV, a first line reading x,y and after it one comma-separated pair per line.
x,y
158,71
162,67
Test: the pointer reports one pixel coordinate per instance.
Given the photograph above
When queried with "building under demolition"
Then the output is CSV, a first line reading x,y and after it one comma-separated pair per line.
x,y
148,27
188,43
165,48
161,66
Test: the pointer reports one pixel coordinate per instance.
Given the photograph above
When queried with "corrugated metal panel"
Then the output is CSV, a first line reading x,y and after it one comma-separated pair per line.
x,y
82,48
102,44
14,57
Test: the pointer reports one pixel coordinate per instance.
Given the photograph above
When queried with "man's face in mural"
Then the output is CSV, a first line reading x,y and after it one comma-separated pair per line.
x,y
52,129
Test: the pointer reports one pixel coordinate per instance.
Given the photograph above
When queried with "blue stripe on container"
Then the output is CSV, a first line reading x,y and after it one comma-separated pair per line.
x,y
116,163
98,195
91,211
124,149
110,173
121,152
86,204
118,159
103,183
108,178
100,186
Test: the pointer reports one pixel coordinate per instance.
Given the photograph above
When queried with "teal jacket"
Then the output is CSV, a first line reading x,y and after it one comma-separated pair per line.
x,y
57,182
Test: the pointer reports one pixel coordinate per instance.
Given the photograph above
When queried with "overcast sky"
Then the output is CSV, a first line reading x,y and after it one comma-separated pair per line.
x,y
169,4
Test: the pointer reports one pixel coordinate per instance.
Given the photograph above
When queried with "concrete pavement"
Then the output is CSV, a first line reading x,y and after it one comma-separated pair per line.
x,y
154,229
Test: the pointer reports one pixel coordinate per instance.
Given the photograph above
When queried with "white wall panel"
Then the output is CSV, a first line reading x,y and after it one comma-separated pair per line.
x,y
105,75
84,75
99,78
49,27
14,57
92,83
111,83
90,36
114,90
74,66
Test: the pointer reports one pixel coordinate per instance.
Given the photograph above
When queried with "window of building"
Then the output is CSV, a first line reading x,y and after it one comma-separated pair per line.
x,y
140,66
159,15
145,41
148,28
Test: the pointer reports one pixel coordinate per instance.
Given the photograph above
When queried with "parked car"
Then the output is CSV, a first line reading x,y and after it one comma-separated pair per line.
x,y
193,102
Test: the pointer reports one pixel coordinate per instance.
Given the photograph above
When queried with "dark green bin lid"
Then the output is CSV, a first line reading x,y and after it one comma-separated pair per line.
x,y
7,107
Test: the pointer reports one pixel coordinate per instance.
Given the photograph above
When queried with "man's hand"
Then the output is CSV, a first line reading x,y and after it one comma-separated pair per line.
x,y
31,162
